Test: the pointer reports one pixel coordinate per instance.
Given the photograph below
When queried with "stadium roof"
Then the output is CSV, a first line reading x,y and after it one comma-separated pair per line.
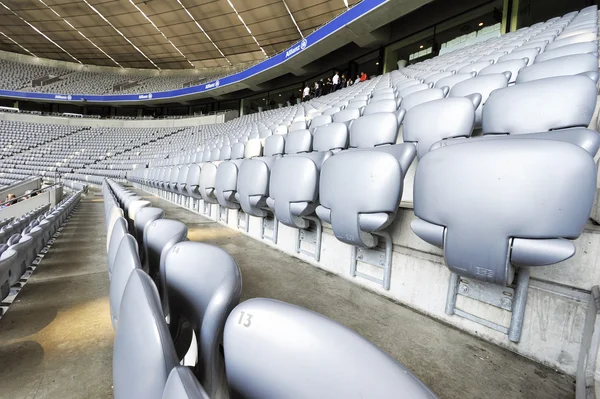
x,y
164,34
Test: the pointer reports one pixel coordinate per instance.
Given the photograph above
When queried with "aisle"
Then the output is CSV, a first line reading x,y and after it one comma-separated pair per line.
x,y
451,362
56,339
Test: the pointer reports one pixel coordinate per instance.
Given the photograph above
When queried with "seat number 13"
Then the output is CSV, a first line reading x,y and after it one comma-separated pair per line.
x,y
245,319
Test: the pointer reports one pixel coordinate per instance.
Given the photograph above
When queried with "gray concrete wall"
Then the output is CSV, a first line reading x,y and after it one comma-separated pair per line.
x,y
22,207
57,120
19,189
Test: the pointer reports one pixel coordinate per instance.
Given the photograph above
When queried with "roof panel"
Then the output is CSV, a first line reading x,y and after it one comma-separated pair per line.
x,y
268,20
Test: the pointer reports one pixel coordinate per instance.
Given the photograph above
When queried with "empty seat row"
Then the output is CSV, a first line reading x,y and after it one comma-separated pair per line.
x,y
241,350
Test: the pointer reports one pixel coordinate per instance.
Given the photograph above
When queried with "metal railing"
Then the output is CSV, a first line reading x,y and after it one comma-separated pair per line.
x,y
28,195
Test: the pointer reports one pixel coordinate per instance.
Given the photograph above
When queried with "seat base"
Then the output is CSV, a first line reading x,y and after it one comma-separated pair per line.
x,y
272,224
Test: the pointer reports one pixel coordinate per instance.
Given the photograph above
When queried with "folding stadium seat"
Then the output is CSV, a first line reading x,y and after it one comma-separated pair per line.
x,y
319,121
8,268
258,352
430,122
422,96
572,49
451,80
533,230
512,66
203,285
119,231
562,66
346,116
144,353
474,67
253,183
581,38
293,184
25,256
126,260
372,148
227,177
181,183
182,384
482,85
143,218
159,238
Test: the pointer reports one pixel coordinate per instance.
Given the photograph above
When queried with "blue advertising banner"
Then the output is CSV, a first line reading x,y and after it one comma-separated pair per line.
x,y
332,26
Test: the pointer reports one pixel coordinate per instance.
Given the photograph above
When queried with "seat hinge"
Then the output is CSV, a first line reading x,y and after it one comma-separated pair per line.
x,y
512,299
243,220
269,224
312,237
380,257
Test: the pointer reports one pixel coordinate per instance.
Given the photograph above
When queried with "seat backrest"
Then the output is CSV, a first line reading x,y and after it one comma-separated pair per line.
x,y
203,285
126,260
501,225
159,238
436,120
143,354
512,66
373,130
259,351
333,136
482,85
320,120
274,145
540,105
118,232
577,48
298,141
421,97
560,66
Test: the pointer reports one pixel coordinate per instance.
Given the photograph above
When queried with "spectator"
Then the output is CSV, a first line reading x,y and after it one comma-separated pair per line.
x,y
317,89
357,80
343,81
350,82
11,199
306,93
335,81
363,76
328,86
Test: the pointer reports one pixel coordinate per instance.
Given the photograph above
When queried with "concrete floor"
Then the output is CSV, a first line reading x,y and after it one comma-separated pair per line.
x,y
56,340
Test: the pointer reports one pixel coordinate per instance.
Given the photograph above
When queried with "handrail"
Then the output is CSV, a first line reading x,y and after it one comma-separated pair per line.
x,y
38,191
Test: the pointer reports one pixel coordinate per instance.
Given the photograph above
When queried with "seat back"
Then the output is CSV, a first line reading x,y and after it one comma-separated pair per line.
x,y
143,354
126,260
262,351
485,231
203,285
159,238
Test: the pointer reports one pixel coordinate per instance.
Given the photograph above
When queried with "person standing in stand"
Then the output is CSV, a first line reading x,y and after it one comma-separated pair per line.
x,y
328,86
317,89
306,93
335,82
357,80
343,81
363,76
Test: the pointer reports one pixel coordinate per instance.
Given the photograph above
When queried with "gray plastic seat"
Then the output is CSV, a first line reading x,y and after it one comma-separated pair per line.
x,y
561,66
208,176
474,67
421,97
451,80
253,178
126,260
118,232
203,285
437,120
262,352
482,85
581,38
25,256
500,227
182,180
159,238
227,174
355,214
143,218
319,121
512,66
540,105
572,49
293,185
519,54
143,354
192,182
182,384
8,268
